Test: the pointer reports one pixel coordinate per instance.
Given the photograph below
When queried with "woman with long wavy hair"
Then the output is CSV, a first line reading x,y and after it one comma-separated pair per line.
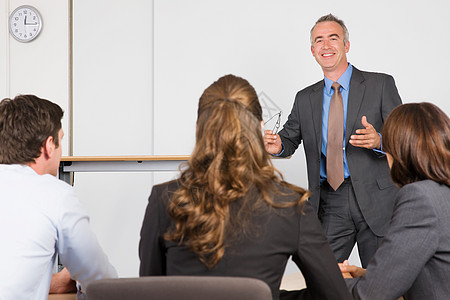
x,y
231,213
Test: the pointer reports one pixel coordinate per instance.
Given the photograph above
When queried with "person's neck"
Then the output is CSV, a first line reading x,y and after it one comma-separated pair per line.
x,y
40,166
37,168
335,74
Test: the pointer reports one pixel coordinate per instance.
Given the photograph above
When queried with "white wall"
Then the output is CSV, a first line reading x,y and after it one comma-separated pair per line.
x,y
42,66
4,44
113,115
267,42
113,77
139,67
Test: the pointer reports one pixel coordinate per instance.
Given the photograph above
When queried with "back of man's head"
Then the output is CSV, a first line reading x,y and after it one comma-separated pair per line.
x,y
25,124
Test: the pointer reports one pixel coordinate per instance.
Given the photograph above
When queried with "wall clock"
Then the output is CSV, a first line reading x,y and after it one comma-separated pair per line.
x,y
25,23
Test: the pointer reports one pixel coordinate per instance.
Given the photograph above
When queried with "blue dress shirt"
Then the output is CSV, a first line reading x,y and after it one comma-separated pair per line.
x,y
328,92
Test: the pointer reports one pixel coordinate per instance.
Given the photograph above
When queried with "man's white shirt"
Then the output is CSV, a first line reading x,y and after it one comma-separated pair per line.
x,y
40,217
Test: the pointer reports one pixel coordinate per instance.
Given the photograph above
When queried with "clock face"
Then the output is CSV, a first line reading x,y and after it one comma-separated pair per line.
x,y
25,23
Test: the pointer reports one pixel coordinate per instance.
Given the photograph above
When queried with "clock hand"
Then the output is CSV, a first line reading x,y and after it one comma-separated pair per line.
x,y
25,21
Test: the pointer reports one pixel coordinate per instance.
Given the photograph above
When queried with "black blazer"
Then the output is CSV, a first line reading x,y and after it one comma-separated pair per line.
x,y
274,236
373,95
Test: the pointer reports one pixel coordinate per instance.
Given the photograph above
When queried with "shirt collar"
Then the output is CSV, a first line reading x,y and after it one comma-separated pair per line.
x,y
344,80
17,167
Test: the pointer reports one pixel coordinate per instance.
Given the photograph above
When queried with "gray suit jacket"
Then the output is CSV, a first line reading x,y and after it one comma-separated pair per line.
x,y
414,258
373,95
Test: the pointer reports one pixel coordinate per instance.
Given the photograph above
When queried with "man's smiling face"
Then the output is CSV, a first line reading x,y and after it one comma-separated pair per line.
x,y
328,47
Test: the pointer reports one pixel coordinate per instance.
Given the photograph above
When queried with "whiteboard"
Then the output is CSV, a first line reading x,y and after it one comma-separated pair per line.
x,y
267,42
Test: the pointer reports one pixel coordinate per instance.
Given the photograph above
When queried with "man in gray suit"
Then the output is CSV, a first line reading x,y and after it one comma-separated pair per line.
x,y
359,207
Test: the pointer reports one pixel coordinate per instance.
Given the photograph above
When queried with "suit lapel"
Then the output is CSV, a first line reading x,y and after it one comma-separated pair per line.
x,y
316,100
355,98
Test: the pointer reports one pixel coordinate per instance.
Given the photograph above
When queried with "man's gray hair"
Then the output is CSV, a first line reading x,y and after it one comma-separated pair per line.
x,y
331,18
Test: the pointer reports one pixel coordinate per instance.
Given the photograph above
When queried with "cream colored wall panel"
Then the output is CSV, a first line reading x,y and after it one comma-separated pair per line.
x,y
113,115
41,67
116,203
113,77
4,50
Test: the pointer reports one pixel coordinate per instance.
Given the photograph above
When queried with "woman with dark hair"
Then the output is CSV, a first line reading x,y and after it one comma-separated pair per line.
x,y
414,258
230,213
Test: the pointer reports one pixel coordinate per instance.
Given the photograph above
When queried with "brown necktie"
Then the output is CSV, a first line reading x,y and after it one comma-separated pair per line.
x,y
335,155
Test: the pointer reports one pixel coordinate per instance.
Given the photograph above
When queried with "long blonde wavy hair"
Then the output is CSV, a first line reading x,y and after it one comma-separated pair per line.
x,y
229,160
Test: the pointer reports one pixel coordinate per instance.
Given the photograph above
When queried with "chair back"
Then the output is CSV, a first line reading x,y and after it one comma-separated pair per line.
x,y
179,288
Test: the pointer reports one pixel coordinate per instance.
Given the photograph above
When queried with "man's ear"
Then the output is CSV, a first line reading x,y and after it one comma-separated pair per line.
x,y
48,148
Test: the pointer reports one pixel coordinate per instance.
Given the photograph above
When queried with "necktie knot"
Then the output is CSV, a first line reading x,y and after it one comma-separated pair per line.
x,y
336,86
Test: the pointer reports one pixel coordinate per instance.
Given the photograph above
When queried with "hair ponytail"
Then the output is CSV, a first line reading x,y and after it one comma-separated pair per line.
x,y
228,161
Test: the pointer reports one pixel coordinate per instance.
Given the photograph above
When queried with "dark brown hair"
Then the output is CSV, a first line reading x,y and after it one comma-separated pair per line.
x,y
417,136
25,124
229,162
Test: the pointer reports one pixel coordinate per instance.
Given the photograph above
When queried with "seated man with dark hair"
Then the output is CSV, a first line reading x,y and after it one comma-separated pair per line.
x,y
40,216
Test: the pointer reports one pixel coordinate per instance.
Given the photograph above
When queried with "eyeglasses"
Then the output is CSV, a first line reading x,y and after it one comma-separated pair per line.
x,y
277,123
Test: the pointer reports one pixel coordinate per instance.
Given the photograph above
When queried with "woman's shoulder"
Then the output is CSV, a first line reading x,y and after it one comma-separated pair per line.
x,y
425,193
428,187
284,193
168,186
287,200
161,193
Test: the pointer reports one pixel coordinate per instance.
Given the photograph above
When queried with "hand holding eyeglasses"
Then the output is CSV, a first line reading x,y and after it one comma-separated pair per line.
x,y
272,141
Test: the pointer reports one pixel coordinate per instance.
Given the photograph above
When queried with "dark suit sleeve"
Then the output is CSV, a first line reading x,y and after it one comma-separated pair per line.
x,y
391,98
291,134
317,262
151,245
412,239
